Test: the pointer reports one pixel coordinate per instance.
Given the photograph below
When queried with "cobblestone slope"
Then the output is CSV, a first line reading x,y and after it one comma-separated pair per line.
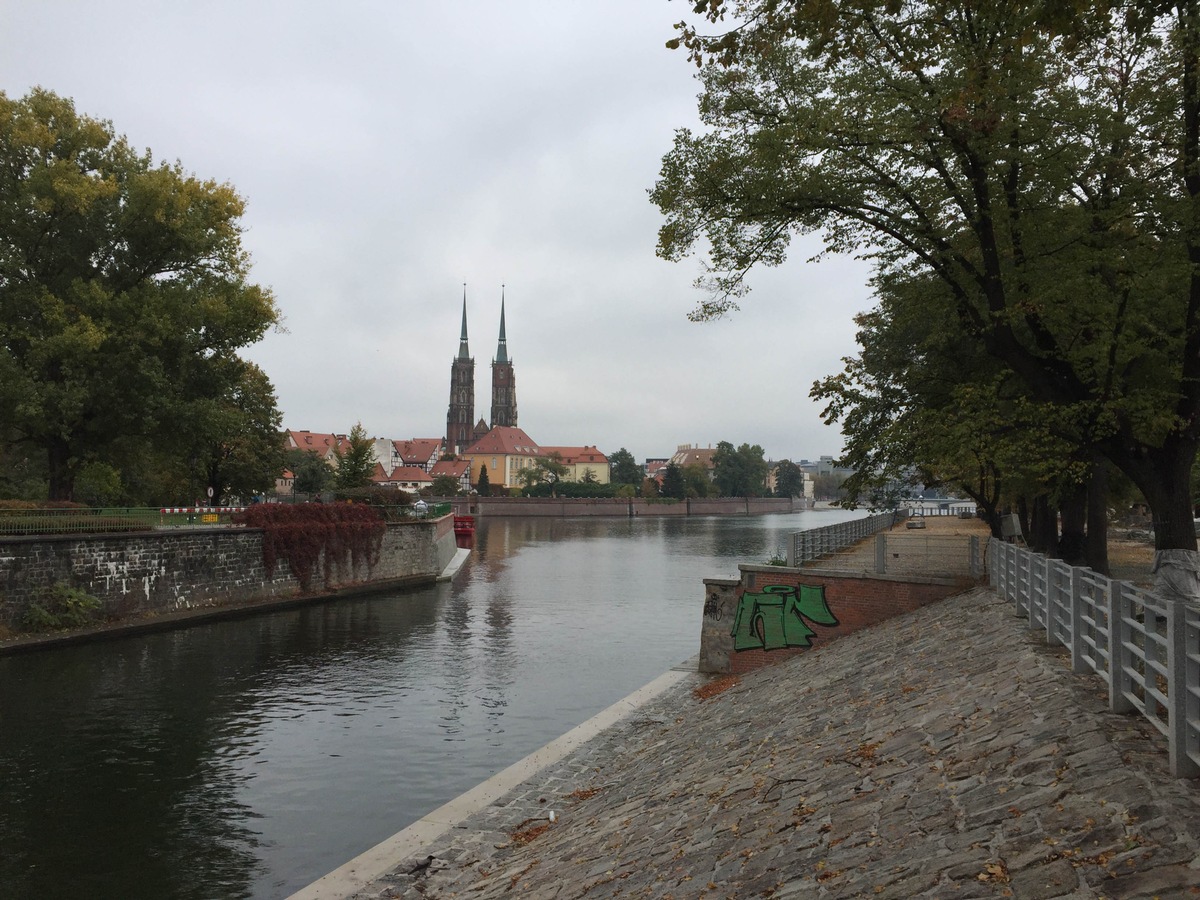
x,y
946,754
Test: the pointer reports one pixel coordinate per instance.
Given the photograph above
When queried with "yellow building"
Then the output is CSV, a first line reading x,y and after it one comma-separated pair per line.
x,y
581,460
505,451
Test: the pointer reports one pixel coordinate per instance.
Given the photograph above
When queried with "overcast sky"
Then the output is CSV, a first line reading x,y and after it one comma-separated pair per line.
x,y
391,151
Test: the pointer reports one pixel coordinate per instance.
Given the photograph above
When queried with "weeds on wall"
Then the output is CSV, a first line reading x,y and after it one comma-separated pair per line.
x,y
336,535
62,606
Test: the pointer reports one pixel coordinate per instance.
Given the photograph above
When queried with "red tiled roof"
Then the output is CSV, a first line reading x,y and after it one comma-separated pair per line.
x,y
418,450
507,440
401,473
572,455
686,456
316,441
455,467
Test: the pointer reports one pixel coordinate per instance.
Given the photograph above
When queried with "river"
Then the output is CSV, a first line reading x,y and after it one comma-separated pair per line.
x,y
244,759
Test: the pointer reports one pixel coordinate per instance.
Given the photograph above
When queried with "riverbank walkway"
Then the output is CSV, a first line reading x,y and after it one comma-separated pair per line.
x,y
948,753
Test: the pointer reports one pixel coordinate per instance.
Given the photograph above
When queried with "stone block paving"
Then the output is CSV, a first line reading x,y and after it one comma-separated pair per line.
x,y
944,754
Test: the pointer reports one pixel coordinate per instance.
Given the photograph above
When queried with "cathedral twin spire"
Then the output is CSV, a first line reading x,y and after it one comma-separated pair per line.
x,y
459,431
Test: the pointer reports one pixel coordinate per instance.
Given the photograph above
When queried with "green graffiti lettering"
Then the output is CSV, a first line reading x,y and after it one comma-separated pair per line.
x,y
774,618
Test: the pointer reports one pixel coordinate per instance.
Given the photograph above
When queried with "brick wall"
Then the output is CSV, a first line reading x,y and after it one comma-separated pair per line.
x,y
616,506
137,575
855,601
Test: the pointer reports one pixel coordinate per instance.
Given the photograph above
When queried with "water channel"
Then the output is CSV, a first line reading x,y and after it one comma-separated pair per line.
x,y
244,759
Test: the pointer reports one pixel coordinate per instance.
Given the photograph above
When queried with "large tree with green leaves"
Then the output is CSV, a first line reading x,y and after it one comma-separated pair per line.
x,y
312,472
789,479
1042,161
355,459
241,446
741,471
673,484
624,468
124,288
546,470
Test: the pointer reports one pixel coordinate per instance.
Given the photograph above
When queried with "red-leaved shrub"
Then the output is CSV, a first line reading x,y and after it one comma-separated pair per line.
x,y
345,533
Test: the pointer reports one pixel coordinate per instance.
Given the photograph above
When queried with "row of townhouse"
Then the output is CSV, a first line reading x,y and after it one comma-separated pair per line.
x,y
413,464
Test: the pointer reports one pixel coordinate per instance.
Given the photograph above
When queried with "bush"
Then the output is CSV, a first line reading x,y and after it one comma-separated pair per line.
x,y
62,606
341,532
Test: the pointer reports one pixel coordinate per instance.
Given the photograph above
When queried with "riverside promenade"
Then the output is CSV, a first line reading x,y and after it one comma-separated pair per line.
x,y
947,753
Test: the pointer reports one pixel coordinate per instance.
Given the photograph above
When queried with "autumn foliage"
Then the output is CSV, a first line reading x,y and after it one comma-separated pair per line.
x,y
333,535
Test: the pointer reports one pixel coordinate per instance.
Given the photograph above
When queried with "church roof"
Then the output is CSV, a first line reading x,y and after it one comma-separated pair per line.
x,y
502,346
506,440
463,352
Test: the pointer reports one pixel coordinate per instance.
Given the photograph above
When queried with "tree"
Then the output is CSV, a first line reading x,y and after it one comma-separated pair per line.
x,y
242,448
548,470
1037,160
484,485
625,469
920,407
696,480
356,463
444,486
789,479
123,288
741,472
672,483
313,473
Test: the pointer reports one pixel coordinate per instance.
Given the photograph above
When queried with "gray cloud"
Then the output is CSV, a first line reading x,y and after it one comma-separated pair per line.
x,y
391,151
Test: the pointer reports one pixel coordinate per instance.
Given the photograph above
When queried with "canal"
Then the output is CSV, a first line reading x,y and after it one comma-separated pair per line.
x,y
245,759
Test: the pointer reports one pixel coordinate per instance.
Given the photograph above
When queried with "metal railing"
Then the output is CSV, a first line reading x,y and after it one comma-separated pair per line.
x,y
25,522
815,543
1146,647
920,553
107,520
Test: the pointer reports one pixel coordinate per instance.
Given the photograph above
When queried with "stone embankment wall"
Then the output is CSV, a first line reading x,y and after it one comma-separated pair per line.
x,y
148,574
565,507
771,613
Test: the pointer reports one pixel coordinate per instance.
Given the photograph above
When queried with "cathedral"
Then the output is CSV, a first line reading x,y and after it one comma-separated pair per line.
x,y
460,432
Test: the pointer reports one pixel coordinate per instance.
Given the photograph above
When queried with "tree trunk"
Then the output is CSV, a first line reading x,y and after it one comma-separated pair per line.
x,y
1097,518
62,476
1164,477
1043,526
1072,545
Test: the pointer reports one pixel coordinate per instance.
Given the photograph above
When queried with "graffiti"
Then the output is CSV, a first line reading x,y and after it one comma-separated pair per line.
x,y
775,617
712,608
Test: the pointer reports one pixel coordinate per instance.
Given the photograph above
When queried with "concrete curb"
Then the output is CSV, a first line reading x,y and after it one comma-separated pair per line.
x,y
367,867
461,555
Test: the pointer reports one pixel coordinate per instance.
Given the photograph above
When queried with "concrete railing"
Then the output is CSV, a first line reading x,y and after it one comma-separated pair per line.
x,y
815,543
1146,648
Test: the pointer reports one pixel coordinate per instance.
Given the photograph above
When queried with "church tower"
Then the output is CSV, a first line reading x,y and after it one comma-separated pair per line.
x,y
460,418
504,382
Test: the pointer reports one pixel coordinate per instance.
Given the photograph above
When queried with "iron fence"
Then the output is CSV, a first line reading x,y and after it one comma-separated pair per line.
x,y
15,522
1145,647
921,553
815,543
108,520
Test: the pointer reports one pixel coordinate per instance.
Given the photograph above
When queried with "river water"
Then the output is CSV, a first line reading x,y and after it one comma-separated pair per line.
x,y
245,759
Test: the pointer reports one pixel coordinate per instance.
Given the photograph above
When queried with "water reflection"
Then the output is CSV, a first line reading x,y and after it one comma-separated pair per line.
x,y
244,759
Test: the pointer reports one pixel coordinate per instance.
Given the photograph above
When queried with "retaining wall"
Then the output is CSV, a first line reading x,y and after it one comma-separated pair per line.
x,y
566,507
169,571
782,623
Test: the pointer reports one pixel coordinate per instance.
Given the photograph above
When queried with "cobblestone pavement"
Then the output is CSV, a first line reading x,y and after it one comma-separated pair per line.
x,y
944,754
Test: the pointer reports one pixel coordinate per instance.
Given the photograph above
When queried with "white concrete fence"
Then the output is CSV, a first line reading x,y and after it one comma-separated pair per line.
x,y
1146,648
